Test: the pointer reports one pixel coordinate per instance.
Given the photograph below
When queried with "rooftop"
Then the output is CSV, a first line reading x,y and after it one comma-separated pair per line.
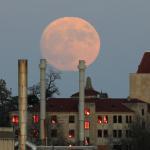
x,y
90,92
144,66
101,105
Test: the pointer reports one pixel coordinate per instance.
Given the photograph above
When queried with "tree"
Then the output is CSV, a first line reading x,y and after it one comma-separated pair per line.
x,y
51,88
5,94
138,137
5,103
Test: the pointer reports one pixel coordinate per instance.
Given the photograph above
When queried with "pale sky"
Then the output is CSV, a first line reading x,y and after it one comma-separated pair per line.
x,y
124,28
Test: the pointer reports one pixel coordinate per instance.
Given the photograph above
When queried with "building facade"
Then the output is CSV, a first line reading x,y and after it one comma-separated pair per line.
x,y
140,81
106,120
7,140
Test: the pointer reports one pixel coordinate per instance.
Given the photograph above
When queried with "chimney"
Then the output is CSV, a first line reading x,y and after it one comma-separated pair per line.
x,y
81,68
22,93
42,67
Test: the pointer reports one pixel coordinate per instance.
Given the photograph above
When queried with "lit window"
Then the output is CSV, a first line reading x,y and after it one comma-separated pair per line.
x,y
15,119
99,119
35,118
53,119
87,111
86,124
71,134
105,119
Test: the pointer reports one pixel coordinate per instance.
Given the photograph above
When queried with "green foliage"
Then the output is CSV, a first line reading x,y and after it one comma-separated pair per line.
x,y
32,100
5,94
139,139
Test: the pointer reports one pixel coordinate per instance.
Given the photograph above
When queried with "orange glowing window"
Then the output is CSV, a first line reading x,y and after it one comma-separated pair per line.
x,y
105,119
87,111
15,119
71,134
53,119
86,124
35,118
99,119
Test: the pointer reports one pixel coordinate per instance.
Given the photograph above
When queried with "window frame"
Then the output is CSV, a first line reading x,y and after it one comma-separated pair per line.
x,y
115,133
99,119
99,133
53,118
72,133
71,119
115,119
105,133
54,133
119,119
105,117
86,124
119,133
142,111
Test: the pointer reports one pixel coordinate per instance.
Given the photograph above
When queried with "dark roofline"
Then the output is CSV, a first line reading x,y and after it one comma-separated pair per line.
x,y
101,105
144,66
88,92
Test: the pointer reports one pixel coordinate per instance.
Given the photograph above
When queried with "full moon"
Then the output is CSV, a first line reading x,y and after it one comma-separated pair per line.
x,y
67,40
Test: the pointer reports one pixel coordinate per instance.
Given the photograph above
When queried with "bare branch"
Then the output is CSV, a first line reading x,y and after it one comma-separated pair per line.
x,y
52,76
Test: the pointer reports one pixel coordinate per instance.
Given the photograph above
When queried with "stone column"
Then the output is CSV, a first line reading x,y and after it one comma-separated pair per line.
x,y
42,67
81,68
22,93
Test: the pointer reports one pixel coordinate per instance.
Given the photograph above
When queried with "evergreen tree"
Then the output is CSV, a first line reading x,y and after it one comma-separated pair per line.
x,y
5,103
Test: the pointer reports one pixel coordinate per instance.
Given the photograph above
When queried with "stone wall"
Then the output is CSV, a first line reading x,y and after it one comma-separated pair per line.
x,y
140,86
